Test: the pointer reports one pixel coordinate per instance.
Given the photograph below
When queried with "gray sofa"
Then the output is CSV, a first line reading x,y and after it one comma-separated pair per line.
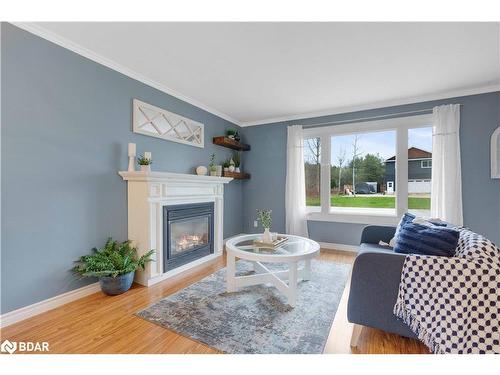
x,y
374,284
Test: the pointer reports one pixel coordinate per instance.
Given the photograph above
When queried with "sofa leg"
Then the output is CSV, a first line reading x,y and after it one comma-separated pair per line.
x,y
356,332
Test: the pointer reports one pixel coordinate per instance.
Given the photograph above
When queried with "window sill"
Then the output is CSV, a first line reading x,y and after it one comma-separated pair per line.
x,y
355,216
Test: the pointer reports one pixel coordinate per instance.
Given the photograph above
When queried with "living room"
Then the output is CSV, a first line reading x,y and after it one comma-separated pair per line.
x,y
250,188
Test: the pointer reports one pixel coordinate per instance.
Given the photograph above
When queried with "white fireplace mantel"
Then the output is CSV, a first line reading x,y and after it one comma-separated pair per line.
x,y
147,193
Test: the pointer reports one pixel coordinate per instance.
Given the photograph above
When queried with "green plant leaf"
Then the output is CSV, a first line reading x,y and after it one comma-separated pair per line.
x,y
114,259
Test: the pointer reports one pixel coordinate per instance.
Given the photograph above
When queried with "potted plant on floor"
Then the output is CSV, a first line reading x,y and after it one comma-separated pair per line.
x,y
115,265
265,218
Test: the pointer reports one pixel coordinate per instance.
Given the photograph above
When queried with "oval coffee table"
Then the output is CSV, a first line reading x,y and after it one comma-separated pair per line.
x,y
296,249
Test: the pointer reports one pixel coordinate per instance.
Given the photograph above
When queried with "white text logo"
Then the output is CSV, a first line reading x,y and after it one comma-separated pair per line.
x,y
24,346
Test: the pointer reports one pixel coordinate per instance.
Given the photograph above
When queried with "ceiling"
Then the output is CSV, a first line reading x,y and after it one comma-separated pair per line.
x,y
252,73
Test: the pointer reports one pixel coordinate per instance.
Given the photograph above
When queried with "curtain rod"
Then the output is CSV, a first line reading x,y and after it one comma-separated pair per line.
x,y
369,118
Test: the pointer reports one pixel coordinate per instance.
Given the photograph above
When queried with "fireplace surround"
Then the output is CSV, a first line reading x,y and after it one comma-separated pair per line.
x,y
150,197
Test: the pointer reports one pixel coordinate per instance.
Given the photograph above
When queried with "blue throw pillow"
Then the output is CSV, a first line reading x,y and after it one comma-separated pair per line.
x,y
406,218
426,240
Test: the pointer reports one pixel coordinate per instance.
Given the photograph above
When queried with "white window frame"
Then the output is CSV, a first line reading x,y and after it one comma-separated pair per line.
x,y
401,126
426,162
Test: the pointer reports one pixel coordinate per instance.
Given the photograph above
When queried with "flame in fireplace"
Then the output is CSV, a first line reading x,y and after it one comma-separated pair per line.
x,y
190,241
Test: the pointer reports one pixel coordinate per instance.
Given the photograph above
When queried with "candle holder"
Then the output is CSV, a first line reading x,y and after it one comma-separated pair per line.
x,y
131,157
131,163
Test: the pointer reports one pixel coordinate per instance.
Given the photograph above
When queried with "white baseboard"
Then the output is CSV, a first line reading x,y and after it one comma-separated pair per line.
x,y
338,246
40,307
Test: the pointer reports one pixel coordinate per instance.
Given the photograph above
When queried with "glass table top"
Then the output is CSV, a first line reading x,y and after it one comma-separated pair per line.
x,y
293,246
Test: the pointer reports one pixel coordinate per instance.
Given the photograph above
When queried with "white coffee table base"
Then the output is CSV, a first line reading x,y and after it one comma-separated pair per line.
x,y
285,281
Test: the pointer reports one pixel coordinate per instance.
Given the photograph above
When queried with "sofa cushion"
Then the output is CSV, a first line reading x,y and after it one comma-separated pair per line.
x,y
421,239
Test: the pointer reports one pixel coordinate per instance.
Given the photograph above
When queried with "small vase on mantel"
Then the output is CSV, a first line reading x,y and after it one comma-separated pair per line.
x,y
146,168
266,236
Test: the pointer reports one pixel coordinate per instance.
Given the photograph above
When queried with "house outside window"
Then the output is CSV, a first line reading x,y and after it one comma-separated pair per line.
x,y
369,172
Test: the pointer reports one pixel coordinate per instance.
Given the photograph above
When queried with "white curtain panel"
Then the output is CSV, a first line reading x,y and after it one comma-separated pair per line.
x,y
295,195
446,198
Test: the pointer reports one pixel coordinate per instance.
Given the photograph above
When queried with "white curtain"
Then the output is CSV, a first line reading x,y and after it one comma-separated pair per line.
x,y
295,195
446,198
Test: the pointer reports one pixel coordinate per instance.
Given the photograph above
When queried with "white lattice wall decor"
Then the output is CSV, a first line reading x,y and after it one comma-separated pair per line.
x,y
160,123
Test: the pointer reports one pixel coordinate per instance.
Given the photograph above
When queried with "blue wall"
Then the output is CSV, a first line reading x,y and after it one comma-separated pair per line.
x,y
66,122
480,115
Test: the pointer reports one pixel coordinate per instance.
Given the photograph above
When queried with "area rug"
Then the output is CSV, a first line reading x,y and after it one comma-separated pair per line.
x,y
255,319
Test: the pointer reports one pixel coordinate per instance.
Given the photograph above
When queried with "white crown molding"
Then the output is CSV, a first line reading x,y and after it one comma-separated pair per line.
x,y
51,303
74,47
383,104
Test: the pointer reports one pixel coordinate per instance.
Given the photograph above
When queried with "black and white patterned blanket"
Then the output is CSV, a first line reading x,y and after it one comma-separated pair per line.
x,y
452,304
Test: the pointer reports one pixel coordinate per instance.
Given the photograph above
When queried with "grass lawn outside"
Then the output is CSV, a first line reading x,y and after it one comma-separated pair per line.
x,y
371,202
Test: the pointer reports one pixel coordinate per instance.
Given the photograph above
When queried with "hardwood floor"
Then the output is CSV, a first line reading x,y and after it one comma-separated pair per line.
x,y
101,324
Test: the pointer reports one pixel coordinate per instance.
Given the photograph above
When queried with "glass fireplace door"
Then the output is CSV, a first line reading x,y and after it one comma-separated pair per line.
x,y
188,234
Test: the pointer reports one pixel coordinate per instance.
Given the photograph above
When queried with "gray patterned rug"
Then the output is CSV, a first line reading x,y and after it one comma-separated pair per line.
x,y
255,319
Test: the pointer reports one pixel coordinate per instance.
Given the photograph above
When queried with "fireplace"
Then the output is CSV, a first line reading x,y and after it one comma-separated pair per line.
x,y
163,204
188,233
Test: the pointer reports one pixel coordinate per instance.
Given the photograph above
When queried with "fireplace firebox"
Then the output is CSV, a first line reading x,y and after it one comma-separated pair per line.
x,y
188,233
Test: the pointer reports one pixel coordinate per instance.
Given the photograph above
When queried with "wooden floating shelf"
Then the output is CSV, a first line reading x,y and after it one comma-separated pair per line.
x,y
230,143
236,175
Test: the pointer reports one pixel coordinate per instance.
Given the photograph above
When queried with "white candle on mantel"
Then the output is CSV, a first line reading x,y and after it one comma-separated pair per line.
x,y
147,155
131,149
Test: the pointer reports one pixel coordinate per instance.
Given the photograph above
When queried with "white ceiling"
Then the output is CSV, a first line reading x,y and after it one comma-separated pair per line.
x,y
260,72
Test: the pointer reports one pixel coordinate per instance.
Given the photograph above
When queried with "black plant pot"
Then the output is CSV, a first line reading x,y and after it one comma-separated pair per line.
x,y
113,286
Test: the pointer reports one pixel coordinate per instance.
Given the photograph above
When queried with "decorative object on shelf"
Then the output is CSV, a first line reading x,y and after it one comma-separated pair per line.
x,y
225,166
145,162
237,137
218,172
115,265
495,153
160,123
274,243
131,157
265,218
211,166
231,133
201,170
237,161
230,143
231,165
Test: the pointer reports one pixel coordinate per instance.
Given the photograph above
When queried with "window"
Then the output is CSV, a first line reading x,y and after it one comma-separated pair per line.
x,y
426,164
363,173
366,172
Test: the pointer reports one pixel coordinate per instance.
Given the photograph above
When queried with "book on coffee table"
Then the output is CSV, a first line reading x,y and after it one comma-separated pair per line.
x,y
271,245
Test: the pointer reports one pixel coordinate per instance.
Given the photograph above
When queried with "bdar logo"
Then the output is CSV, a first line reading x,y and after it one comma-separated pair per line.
x,y
8,347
